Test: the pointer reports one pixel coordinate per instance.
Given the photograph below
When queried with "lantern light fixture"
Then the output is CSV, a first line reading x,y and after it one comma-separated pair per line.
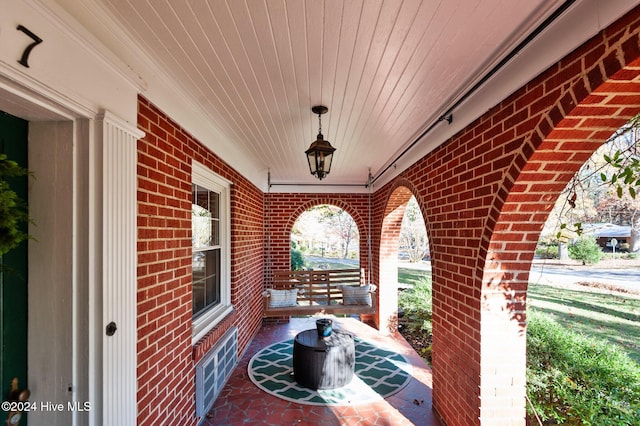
x,y
320,153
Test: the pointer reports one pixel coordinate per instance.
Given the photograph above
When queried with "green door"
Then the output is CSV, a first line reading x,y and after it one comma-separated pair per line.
x,y
13,274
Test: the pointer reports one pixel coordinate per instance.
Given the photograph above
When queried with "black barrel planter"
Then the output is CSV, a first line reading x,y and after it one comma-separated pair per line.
x,y
323,362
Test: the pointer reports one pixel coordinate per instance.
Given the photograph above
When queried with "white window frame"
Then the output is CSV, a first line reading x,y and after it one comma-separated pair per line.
x,y
204,177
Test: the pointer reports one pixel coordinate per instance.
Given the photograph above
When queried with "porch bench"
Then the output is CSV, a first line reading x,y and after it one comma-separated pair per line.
x,y
336,291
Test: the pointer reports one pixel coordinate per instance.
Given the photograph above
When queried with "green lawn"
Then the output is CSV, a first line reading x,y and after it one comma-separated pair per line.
x,y
613,317
583,354
331,263
410,276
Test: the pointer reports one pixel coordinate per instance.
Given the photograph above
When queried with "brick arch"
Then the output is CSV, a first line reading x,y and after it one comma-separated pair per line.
x,y
282,210
532,188
332,202
601,96
486,193
387,252
347,207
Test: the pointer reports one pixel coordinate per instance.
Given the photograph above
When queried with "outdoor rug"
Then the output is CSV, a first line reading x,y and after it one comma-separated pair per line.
x,y
379,373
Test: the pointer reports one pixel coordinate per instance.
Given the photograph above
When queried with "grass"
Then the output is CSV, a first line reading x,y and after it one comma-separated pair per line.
x,y
331,263
612,317
575,379
583,359
411,276
583,351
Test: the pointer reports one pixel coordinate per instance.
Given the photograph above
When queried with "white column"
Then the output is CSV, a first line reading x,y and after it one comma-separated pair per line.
x,y
118,278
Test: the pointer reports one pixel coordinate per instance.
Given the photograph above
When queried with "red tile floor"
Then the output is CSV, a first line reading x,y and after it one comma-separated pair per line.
x,y
243,403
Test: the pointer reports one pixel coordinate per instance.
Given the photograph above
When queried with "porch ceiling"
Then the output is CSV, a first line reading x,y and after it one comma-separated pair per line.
x,y
243,75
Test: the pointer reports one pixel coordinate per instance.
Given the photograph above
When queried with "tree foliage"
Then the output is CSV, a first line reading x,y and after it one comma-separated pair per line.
x,y
340,224
625,161
298,261
14,214
586,249
605,189
416,302
413,233
327,231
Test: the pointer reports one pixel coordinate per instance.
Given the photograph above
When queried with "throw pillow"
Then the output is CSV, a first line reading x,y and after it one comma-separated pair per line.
x,y
356,295
282,298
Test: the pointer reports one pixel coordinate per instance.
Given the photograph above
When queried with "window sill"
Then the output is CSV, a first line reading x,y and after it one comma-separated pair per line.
x,y
206,322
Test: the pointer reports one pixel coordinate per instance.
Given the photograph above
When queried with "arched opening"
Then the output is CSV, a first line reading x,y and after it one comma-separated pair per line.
x,y
578,301
396,241
281,214
561,144
414,281
325,237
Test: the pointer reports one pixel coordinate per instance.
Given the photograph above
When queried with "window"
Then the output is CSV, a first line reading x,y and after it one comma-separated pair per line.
x,y
210,231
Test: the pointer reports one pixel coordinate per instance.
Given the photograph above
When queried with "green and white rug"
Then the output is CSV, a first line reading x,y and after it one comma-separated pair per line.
x,y
379,373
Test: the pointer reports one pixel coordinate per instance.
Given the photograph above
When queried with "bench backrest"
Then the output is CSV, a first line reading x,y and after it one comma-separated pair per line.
x,y
320,287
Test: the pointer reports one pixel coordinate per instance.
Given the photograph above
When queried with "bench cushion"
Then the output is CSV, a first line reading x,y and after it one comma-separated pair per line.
x,y
356,295
282,298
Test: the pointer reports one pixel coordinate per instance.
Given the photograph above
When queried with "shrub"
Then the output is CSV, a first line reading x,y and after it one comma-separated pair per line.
x,y
586,249
576,379
298,261
14,214
547,251
416,304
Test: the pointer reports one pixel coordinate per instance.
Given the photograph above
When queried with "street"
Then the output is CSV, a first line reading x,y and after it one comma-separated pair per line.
x,y
625,278
543,272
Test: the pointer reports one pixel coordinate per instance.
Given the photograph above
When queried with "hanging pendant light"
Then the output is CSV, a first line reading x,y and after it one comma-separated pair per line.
x,y
320,153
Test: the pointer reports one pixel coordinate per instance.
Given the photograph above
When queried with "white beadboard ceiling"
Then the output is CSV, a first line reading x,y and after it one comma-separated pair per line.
x,y
252,69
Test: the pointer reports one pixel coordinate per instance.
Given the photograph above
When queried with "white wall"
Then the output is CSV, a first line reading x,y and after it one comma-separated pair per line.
x,y
66,68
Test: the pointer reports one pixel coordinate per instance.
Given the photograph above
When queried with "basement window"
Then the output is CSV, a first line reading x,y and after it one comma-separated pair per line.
x,y
211,244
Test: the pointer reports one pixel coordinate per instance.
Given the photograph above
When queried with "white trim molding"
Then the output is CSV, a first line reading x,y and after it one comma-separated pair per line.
x,y
206,178
118,218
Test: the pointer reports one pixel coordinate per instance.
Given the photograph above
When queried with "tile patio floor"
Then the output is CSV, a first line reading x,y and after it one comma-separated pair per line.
x,y
243,403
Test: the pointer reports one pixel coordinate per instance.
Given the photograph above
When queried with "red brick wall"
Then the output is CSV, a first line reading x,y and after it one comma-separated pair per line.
x,y
166,357
282,210
485,196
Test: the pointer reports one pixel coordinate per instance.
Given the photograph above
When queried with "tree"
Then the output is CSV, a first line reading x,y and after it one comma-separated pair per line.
x,y
605,188
586,249
325,230
340,224
298,261
413,233
624,178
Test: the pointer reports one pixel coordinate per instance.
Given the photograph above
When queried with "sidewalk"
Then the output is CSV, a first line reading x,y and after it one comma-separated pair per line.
x,y
609,275
619,263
